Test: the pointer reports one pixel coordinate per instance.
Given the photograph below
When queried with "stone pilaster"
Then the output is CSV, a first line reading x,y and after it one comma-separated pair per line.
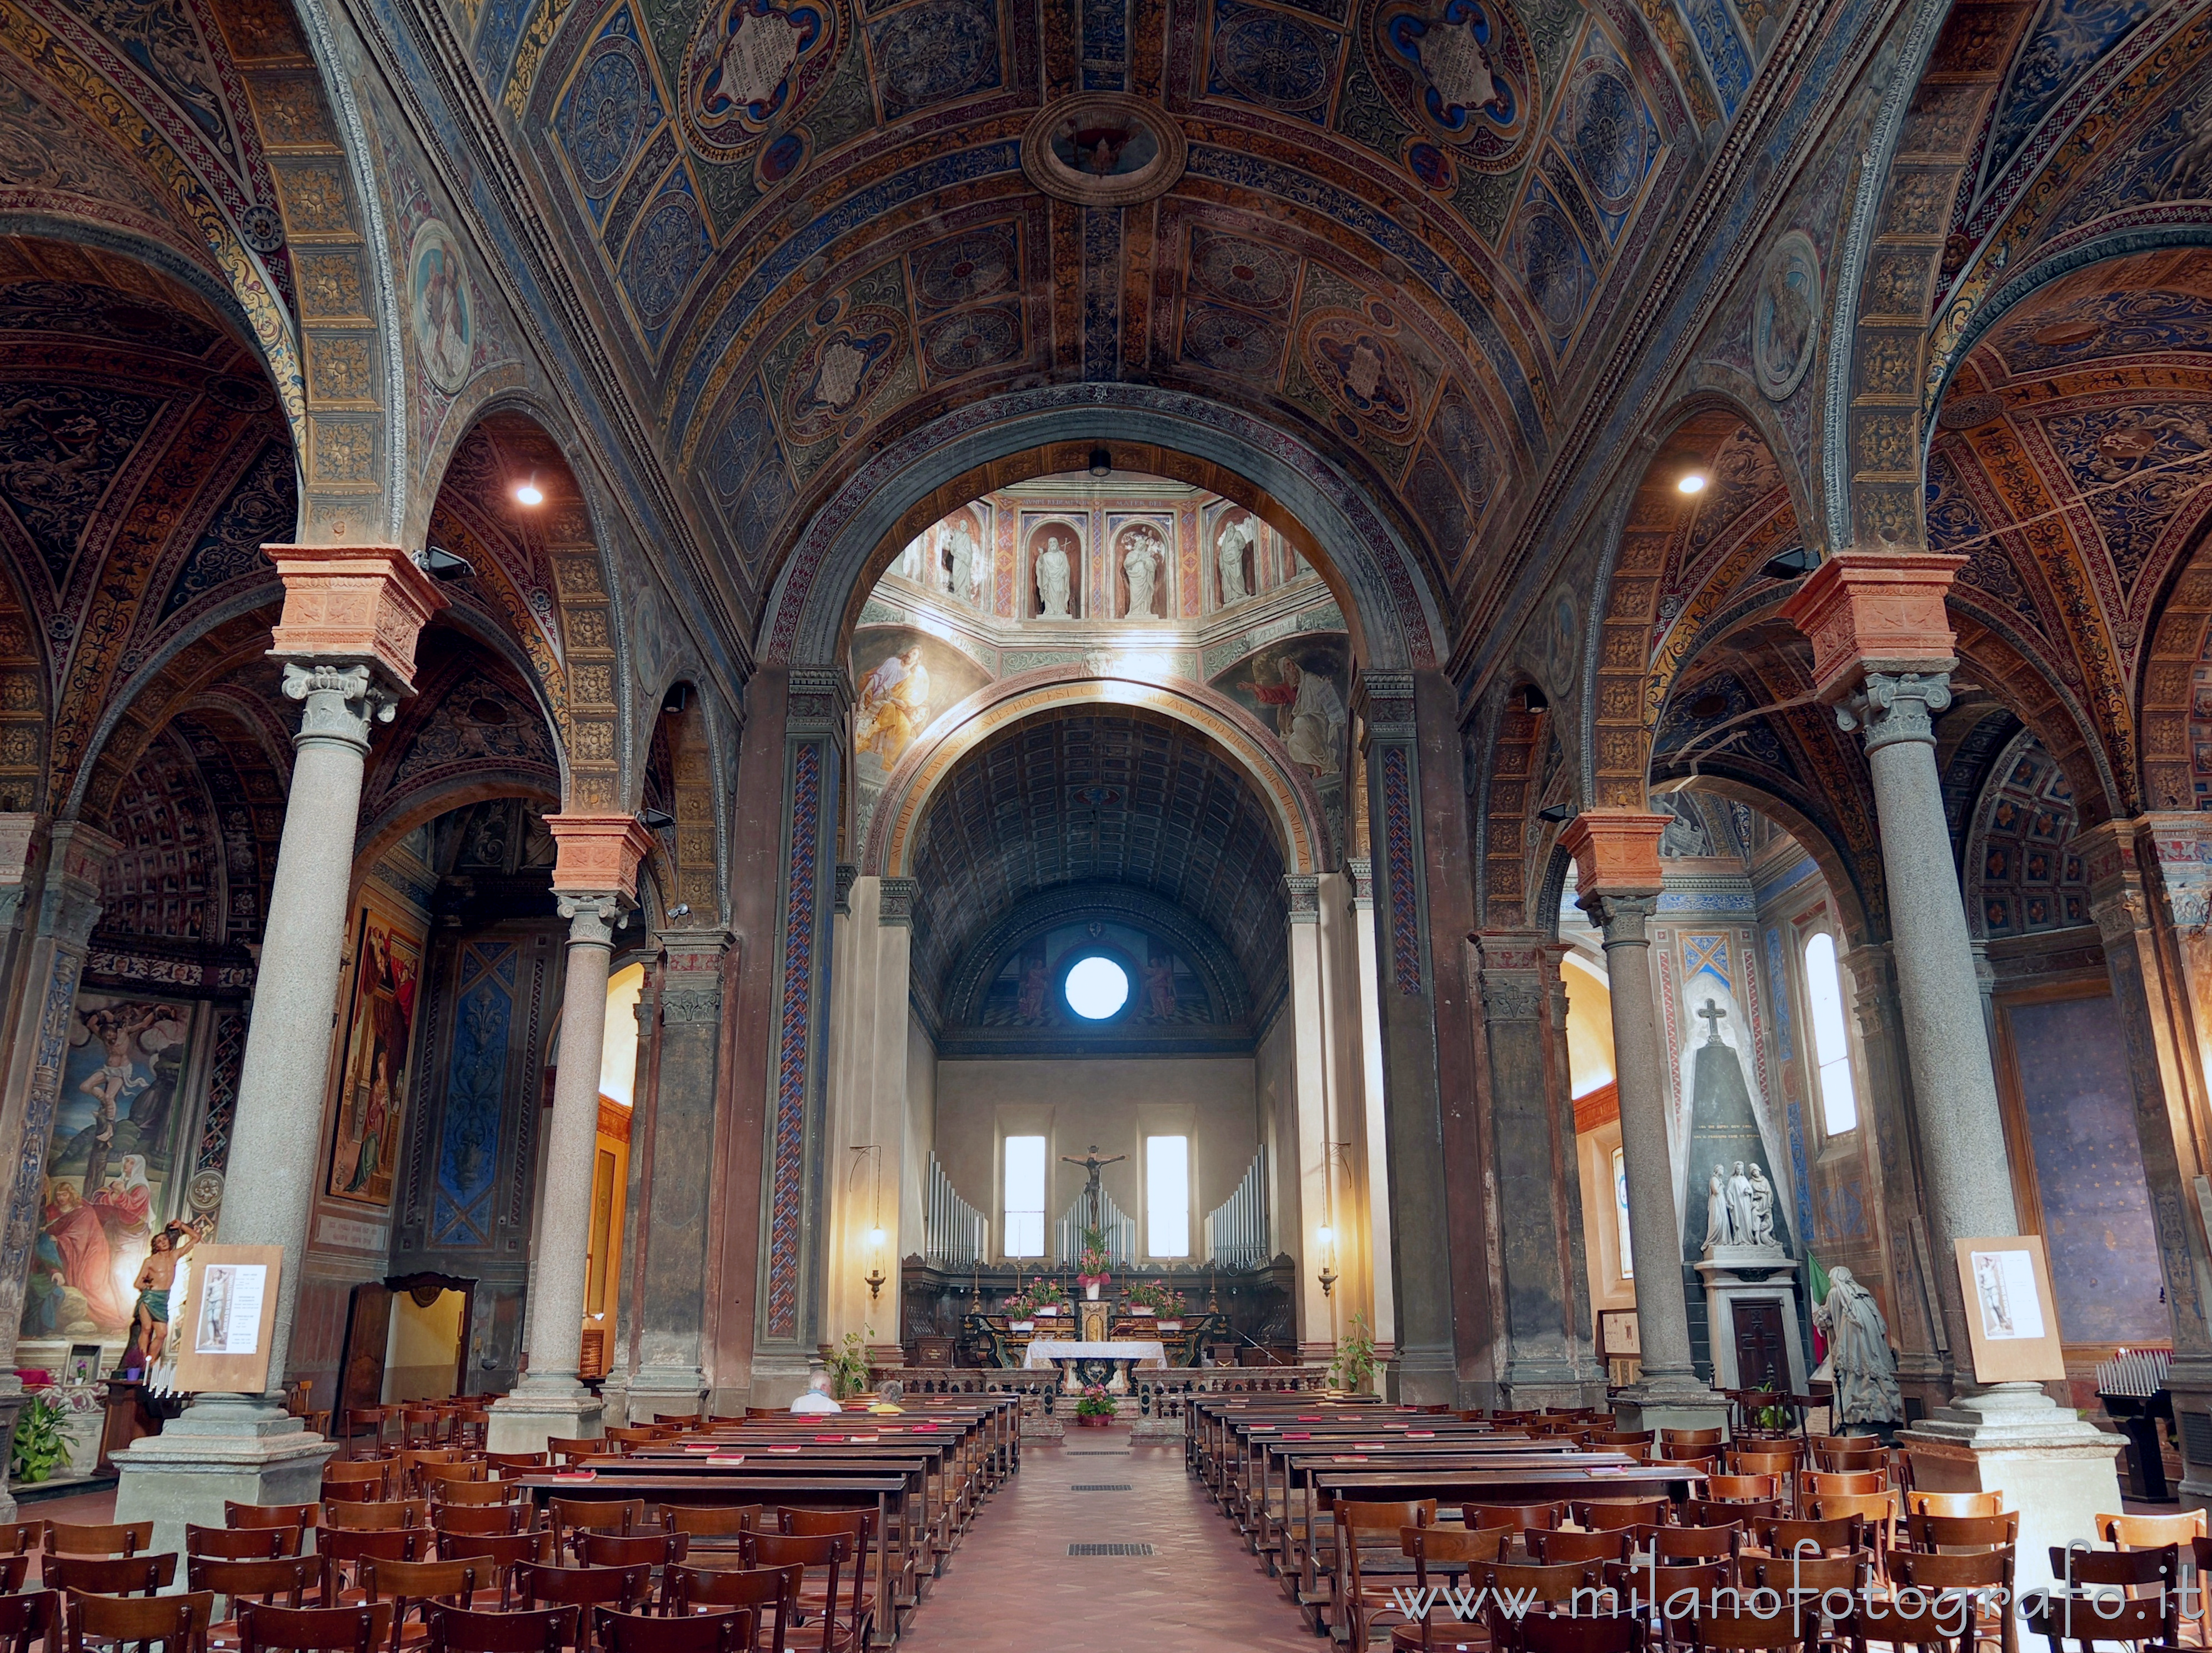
x,y
788,1314
1436,1185
1618,880
2143,961
671,1374
346,641
594,881
1316,1171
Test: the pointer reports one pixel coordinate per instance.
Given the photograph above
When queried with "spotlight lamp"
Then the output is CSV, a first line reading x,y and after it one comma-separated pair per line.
x,y
529,492
1788,565
1692,482
1102,464
441,564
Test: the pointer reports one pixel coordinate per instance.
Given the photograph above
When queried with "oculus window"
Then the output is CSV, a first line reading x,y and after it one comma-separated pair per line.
x,y
1824,990
1025,1190
1167,1196
1097,987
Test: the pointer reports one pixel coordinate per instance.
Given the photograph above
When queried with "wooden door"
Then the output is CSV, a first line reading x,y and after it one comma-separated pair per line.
x,y
1761,1361
369,1329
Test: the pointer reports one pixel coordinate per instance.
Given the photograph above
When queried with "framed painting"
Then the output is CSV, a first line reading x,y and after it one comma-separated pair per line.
x,y
379,1046
2012,1318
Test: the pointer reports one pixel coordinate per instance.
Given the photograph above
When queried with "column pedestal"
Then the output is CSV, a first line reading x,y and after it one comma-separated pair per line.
x,y
523,1423
2058,1472
224,1447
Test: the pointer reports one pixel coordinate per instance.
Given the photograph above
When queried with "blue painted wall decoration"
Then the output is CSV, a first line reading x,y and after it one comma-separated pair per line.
x,y
469,1143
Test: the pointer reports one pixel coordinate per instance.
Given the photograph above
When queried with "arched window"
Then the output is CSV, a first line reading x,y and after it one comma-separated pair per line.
x,y
1832,1049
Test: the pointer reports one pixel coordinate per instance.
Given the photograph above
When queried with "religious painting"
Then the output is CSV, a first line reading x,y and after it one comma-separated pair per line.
x,y
1297,686
952,557
1052,553
462,1201
439,306
1233,564
1785,315
1105,150
904,678
1140,552
1164,990
109,1163
379,1051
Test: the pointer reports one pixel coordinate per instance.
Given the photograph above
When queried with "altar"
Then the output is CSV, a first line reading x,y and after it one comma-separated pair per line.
x,y
1084,1363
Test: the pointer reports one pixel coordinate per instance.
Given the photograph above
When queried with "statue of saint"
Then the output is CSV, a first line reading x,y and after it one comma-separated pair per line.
x,y
1739,1200
1140,561
1859,1364
1718,1230
1229,554
1053,572
1762,1209
962,546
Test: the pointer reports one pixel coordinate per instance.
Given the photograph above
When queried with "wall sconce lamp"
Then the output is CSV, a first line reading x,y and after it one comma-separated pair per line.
x,y
875,1276
1329,1277
1334,1154
872,1154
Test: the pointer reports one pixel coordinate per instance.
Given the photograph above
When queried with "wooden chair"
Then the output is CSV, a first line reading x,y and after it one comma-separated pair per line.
x,y
642,1436
67,1538
422,1427
481,1517
653,1550
20,1537
829,1552
594,1514
340,1476
1520,1518
1534,1584
1814,1483
1690,1437
410,1586
1803,1583
474,1492
2146,1532
1956,1534
2091,1576
110,1575
1742,1629
515,1463
1743,1489
1959,1504
585,1587
1983,1579
33,1616
1354,1524
577,1446
1782,1535
1704,1512
429,1477
1687,1452
1550,1632
312,1630
2059,1619
299,1515
502,1553
1603,1514
344,1553
714,1590
379,1517
1877,1510
14,1569
353,1421
714,1527
179,1623
241,1543
1920,1622
1690,1543
858,1525
1552,1549
1451,1551
242,1583
459,1630
644,1633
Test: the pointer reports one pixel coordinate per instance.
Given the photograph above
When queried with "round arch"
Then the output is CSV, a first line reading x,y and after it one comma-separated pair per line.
x,y
1395,620
1291,799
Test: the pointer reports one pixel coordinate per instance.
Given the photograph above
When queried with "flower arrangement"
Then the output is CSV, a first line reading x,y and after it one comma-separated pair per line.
x,y
1039,1293
1090,1268
1158,1295
1095,1403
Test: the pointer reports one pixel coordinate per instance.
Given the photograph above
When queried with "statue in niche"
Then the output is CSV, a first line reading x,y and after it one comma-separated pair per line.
x,y
1762,1209
1053,577
1159,988
1140,561
1860,1364
1720,1223
1229,554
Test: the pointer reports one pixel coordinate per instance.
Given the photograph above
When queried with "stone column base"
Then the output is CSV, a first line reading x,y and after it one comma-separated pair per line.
x,y
1677,1403
2058,1472
648,1397
218,1451
522,1423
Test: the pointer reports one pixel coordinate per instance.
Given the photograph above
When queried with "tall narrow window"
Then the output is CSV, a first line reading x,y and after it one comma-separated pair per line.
x,y
1167,1196
1839,1102
1024,1196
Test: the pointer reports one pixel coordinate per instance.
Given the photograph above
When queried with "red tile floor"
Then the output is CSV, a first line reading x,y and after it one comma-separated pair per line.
x,y
1013,1585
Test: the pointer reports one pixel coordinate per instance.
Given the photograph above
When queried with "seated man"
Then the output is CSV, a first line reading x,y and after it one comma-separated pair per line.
x,y
817,1397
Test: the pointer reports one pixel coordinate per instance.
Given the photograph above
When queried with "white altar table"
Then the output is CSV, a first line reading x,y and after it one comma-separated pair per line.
x,y
1146,1355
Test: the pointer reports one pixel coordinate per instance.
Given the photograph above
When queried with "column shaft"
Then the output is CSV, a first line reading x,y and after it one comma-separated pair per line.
x,y
1374,1120
1317,1329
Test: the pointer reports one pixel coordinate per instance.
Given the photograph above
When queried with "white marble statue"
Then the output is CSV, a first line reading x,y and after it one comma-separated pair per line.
x,y
1739,1200
1229,554
1762,1209
1140,561
1053,572
1719,1226
912,558
962,546
1859,1364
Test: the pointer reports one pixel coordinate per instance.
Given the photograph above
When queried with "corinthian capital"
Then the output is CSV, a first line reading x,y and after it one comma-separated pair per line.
x,y
1893,707
341,701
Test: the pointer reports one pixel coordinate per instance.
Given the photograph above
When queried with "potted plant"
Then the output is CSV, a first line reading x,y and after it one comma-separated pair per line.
x,y
1156,1299
1096,1409
848,1365
1354,1364
1090,1268
41,1437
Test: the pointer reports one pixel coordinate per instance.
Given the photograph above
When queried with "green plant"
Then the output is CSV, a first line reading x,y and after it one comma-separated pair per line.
x,y
1095,1403
1774,1415
1091,1268
41,1440
1354,1365
847,1364
1158,1295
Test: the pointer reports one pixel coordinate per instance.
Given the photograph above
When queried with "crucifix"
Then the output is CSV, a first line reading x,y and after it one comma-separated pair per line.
x,y
1092,1192
1712,1014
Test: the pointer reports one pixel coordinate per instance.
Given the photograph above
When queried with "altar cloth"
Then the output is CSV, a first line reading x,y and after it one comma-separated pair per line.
x,y
1045,1351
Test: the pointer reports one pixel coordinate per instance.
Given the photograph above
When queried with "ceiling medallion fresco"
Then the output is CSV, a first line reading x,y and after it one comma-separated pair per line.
x,y
1103,149
750,64
1462,71
1352,356
842,366
1783,329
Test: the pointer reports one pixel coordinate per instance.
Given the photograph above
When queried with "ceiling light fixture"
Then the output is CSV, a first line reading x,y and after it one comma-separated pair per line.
x,y
655,820
1788,565
1102,464
529,493
1692,482
441,564
1532,699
